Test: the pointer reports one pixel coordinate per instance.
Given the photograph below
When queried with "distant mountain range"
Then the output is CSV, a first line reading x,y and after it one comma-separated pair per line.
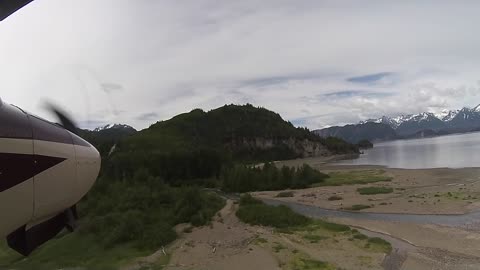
x,y
408,126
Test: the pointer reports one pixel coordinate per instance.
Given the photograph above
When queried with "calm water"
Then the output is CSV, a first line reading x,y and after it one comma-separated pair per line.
x,y
453,151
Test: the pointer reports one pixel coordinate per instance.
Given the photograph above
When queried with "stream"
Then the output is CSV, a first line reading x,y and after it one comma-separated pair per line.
x,y
462,220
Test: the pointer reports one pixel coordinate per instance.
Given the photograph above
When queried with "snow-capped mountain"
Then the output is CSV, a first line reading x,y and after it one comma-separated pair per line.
x,y
465,117
394,122
411,125
477,109
114,126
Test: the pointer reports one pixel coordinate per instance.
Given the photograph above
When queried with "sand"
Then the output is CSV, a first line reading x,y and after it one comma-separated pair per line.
x,y
231,244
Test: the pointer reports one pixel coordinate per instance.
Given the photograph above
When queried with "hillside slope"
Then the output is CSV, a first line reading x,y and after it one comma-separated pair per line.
x,y
197,144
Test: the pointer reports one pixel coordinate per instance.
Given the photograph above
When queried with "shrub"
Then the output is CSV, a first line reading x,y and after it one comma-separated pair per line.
x,y
255,212
335,198
285,194
142,210
334,227
374,190
360,236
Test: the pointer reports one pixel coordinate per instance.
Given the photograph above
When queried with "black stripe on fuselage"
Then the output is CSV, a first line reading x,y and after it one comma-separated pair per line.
x,y
18,168
17,124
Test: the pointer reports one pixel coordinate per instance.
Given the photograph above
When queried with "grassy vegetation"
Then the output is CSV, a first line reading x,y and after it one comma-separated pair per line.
x,y
72,250
255,212
375,244
309,264
379,244
354,177
456,195
357,207
285,194
374,190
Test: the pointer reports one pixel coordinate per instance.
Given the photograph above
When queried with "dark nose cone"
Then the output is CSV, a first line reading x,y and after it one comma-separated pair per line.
x,y
8,7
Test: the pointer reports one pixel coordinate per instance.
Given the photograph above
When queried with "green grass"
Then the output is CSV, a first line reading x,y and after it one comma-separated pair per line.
x,y
379,244
309,264
72,250
374,190
285,194
357,207
354,177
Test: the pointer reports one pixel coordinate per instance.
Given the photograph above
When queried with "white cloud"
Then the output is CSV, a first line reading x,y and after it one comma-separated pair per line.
x,y
116,60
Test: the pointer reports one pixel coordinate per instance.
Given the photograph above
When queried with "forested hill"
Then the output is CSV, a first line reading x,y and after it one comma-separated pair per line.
x,y
197,144
106,137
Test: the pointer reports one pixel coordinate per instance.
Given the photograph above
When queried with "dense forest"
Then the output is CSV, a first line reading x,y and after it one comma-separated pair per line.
x,y
241,178
198,144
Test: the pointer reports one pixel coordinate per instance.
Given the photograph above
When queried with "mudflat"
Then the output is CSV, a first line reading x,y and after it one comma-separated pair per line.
x,y
415,191
404,191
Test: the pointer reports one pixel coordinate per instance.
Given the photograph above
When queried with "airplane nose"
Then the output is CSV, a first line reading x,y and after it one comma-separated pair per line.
x,y
88,166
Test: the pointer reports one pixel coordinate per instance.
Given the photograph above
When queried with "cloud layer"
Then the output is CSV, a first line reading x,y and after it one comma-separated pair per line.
x,y
317,63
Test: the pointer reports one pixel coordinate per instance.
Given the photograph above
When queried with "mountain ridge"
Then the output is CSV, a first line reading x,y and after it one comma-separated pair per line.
x,y
411,125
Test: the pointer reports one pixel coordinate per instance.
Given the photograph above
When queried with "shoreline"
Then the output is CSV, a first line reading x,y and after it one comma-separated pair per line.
x,y
434,191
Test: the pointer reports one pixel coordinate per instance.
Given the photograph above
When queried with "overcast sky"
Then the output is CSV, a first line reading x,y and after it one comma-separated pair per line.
x,y
317,63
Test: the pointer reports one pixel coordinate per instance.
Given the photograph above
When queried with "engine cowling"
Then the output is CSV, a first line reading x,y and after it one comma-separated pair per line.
x,y
44,169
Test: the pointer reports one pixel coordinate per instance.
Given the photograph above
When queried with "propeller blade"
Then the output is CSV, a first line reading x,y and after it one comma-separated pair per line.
x,y
65,121
8,7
